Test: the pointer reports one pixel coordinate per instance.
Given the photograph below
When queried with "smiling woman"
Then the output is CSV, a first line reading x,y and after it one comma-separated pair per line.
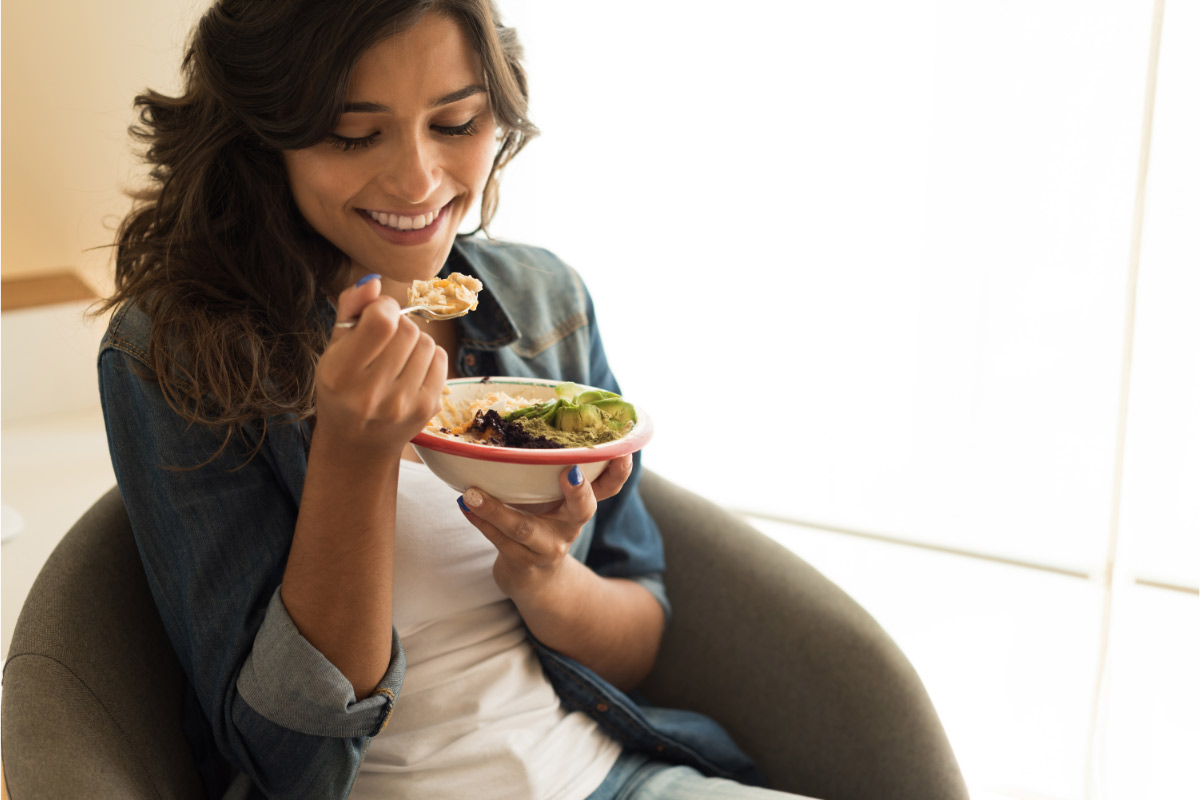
x,y
261,387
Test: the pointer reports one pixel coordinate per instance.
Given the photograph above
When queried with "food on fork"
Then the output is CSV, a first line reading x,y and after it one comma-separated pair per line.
x,y
456,294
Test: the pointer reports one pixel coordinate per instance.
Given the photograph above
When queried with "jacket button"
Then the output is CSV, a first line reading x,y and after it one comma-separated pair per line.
x,y
658,748
602,707
469,360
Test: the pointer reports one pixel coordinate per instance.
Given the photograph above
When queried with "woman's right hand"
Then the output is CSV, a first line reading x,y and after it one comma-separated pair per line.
x,y
380,382
377,384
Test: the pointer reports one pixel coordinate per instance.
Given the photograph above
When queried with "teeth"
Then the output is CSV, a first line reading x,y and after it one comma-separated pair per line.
x,y
402,223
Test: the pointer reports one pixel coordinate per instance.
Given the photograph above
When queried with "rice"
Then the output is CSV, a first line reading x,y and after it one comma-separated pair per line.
x,y
457,417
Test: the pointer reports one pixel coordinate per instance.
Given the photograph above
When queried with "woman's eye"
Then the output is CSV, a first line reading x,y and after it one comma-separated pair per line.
x,y
466,129
346,143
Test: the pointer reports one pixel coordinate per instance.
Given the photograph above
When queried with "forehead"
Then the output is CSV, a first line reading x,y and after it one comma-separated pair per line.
x,y
418,64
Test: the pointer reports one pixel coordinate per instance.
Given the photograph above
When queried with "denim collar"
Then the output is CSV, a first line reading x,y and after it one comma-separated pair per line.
x,y
489,327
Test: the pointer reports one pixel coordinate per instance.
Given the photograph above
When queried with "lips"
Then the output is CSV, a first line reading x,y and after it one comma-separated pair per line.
x,y
406,229
400,222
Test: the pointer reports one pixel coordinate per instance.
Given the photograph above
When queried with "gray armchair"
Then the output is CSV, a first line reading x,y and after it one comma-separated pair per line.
x,y
801,676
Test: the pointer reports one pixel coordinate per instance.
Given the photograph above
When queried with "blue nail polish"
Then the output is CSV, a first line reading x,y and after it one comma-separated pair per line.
x,y
463,505
374,276
575,476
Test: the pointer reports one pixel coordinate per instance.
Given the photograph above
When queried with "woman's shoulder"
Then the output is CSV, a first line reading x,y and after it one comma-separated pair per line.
x,y
129,331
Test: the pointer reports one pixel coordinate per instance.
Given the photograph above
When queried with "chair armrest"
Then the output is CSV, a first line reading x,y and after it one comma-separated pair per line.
x,y
800,675
92,689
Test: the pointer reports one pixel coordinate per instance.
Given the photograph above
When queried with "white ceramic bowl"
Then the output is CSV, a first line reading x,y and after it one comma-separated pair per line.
x,y
512,474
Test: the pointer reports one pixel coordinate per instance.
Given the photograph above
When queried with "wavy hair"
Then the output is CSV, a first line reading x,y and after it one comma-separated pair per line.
x,y
215,249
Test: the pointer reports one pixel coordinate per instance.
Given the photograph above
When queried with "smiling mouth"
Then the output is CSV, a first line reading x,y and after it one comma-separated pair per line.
x,y
399,222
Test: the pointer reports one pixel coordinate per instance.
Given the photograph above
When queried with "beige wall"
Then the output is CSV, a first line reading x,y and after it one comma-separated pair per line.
x,y
70,71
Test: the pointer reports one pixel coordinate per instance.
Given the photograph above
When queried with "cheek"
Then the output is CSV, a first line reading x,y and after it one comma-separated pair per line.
x,y
316,184
480,162
318,189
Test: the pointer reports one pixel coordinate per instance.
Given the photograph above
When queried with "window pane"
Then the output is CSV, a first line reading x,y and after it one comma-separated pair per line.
x,y
1161,498
922,214
1152,708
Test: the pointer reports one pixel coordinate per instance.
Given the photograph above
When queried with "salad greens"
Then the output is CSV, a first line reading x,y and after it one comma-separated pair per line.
x,y
574,410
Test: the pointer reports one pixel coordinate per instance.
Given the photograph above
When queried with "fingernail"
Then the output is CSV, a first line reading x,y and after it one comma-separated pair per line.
x,y
473,498
374,276
463,505
575,476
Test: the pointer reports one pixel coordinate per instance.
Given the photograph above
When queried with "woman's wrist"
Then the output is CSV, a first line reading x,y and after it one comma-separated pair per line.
x,y
348,457
609,625
551,598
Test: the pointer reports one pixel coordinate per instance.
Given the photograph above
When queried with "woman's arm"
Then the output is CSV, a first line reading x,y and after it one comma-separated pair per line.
x,y
337,585
377,386
605,610
611,625
290,700
213,539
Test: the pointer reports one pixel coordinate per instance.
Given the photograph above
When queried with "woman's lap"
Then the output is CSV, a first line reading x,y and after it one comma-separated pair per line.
x,y
635,777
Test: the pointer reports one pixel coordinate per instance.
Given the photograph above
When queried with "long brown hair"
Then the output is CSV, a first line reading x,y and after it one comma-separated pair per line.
x,y
215,250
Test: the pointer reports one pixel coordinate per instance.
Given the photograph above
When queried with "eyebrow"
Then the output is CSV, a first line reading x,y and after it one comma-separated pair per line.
x,y
379,108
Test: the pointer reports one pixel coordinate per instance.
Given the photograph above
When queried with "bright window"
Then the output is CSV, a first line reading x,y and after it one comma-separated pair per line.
x,y
896,241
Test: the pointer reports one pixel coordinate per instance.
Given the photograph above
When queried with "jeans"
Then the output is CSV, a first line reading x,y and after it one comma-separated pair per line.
x,y
636,777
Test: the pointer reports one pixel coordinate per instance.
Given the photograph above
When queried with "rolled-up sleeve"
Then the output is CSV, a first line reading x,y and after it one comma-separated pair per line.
x,y
290,683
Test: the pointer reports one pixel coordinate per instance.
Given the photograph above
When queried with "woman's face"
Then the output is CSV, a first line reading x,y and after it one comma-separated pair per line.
x,y
412,150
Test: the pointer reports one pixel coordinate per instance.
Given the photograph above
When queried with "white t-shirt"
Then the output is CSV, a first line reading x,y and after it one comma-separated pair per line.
x,y
476,716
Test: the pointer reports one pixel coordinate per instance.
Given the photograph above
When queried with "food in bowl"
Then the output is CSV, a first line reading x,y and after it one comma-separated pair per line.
x,y
456,294
575,417
515,475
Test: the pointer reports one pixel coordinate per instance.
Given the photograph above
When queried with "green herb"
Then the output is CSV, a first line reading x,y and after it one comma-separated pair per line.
x,y
575,410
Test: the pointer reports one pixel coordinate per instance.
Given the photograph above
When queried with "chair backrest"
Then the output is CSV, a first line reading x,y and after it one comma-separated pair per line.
x,y
802,677
92,689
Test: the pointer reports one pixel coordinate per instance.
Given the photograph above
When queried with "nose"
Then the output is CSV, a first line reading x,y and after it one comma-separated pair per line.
x,y
411,172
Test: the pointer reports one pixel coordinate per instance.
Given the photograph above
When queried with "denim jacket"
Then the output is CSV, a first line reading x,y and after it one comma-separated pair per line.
x,y
267,715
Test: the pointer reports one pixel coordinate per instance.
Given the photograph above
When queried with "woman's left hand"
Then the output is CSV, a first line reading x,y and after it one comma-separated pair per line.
x,y
532,548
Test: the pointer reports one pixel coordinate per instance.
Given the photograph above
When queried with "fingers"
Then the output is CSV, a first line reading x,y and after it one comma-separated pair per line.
x,y
416,374
551,532
580,498
610,482
382,379
579,501
513,532
368,320
405,347
519,530
375,318
384,344
531,546
435,377
352,301
379,324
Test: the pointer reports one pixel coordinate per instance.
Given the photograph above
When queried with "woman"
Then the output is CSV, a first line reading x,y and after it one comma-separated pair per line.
x,y
323,591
